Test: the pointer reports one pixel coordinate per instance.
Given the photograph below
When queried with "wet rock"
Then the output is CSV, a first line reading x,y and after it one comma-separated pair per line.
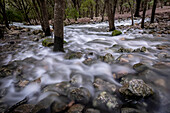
x,y
61,88
48,42
89,61
108,58
116,33
102,85
77,108
15,32
73,55
25,108
35,39
76,80
25,30
128,50
136,88
51,103
142,49
91,110
36,32
105,101
139,67
81,95
162,55
161,47
131,110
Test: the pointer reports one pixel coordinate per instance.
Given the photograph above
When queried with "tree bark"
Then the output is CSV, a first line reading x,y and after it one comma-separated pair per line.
x,y
58,25
44,16
153,11
91,11
103,11
97,8
138,2
144,12
111,9
2,5
131,10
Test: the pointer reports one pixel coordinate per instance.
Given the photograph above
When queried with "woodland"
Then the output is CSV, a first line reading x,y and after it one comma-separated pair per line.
x,y
84,56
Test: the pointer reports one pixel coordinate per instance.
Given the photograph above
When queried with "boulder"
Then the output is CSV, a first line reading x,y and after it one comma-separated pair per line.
x,y
116,33
139,67
80,95
48,42
108,58
77,108
136,88
101,85
106,101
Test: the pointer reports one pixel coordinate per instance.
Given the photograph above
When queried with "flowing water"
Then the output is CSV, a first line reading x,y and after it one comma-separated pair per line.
x,y
37,62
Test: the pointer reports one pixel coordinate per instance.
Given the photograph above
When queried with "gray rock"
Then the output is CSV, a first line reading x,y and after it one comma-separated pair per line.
x,y
91,110
102,85
106,101
136,88
81,95
77,108
139,67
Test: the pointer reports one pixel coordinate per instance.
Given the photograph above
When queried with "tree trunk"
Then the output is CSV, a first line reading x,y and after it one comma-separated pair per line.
x,y
58,25
2,5
153,11
138,2
97,8
91,11
131,10
144,12
44,16
111,8
103,12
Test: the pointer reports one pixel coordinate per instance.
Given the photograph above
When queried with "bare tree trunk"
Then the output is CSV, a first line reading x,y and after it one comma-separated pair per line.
x,y
97,8
91,11
111,8
103,11
144,12
58,25
131,10
153,11
138,2
44,13
3,11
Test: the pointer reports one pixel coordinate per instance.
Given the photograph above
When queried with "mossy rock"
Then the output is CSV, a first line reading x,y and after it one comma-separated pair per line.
x,y
116,33
48,42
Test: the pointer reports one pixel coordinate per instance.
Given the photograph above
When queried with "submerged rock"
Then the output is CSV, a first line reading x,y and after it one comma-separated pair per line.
x,y
108,58
81,95
116,33
48,42
136,88
25,108
52,103
73,55
77,108
127,50
106,101
139,67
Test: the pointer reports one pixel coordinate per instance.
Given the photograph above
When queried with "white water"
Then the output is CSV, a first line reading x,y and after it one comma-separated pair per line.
x,y
53,68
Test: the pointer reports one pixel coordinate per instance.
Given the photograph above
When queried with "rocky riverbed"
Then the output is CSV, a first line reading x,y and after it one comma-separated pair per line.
x,y
98,73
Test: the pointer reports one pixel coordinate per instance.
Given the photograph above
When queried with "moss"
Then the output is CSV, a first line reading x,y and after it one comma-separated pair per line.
x,y
116,33
48,42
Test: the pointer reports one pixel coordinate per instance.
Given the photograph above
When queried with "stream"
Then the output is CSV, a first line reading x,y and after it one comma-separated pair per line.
x,y
40,66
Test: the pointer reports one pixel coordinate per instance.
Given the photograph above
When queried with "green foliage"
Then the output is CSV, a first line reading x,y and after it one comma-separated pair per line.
x,y
14,15
151,2
71,13
86,4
